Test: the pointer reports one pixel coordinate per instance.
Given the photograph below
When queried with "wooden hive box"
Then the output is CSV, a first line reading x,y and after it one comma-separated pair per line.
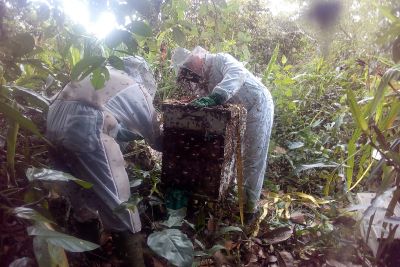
x,y
199,147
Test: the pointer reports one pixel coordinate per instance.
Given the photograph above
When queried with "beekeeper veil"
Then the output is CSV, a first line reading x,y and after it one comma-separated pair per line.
x,y
189,65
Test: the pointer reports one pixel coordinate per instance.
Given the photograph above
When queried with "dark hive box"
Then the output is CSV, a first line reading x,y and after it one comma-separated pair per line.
x,y
199,150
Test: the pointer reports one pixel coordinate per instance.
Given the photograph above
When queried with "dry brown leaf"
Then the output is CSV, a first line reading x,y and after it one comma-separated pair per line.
x,y
272,259
253,258
220,259
277,235
298,217
229,245
280,150
157,263
261,254
285,259
211,225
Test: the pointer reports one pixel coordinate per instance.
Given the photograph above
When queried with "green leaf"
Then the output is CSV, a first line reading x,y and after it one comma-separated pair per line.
x,y
391,74
355,110
21,44
48,255
178,36
116,62
52,175
228,229
116,37
12,133
295,145
172,245
16,116
304,167
284,60
58,239
86,66
130,204
271,63
214,249
99,77
140,28
74,55
30,214
391,117
31,97
142,6
175,217
351,151
12,71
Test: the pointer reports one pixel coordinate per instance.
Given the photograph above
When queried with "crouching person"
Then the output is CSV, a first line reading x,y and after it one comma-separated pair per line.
x,y
89,124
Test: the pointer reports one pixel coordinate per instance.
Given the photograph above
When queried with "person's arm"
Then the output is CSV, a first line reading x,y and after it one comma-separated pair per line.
x,y
134,110
234,75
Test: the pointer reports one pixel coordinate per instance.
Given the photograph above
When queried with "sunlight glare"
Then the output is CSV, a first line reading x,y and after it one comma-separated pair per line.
x,y
78,11
281,7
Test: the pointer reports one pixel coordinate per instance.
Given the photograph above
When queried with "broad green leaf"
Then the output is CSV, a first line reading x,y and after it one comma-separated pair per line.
x,y
175,217
131,204
116,37
351,151
30,214
31,97
295,145
21,262
271,63
86,66
304,167
48,255
17,117
140,28
391,74
214,249
99,77
12,71
74,55
116,62
67,242
228,229
361,176
12,133
172,245
391,117
178,36
52,175
355,110
21,44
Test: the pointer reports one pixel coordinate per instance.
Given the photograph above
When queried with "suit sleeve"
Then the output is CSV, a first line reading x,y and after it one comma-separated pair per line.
x,y
233,73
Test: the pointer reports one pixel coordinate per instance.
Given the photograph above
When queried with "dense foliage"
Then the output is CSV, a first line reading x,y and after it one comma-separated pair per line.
x,y
335,88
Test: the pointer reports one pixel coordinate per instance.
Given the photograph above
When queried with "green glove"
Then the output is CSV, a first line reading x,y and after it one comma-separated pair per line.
x,y
176,199
213,99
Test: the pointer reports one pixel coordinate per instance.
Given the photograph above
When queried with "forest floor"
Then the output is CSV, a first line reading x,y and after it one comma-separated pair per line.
x,y
294,230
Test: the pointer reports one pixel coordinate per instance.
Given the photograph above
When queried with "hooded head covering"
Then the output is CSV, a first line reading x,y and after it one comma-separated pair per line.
x,y
193,61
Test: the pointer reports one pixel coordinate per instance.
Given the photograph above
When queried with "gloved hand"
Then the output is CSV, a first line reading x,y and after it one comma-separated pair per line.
x,y
213,99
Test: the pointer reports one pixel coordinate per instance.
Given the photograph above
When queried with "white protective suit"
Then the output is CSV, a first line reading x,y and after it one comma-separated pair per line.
x,y
89,123
224,75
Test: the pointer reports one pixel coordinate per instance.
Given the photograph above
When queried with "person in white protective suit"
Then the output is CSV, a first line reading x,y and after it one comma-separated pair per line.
x,y
90,123
223,79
